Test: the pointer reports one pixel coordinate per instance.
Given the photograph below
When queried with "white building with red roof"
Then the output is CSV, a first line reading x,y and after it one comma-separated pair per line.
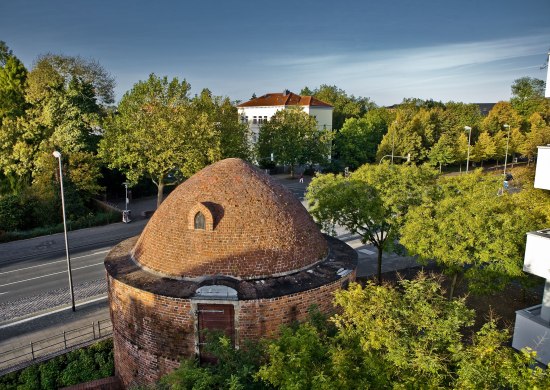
x,y
259,110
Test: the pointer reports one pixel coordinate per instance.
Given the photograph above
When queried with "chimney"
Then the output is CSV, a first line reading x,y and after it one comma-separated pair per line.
x,y
286,92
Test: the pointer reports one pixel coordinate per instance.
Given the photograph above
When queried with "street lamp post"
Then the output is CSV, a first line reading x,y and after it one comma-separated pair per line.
x,y
468,129
506,126
57,155
126,212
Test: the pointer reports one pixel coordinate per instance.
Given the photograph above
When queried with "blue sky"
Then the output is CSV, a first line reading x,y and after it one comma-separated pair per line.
x,y
467,50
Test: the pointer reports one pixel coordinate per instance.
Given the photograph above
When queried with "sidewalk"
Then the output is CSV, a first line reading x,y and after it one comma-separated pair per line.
x,y
137,206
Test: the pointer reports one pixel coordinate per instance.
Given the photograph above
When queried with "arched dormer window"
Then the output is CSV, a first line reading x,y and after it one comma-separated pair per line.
x,y
200,222
200,218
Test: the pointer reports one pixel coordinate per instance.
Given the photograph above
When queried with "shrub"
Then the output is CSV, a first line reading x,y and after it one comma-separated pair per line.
x,y
82,365
11,213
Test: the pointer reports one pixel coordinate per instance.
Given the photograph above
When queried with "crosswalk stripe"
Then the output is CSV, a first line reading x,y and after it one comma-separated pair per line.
x,y
366,251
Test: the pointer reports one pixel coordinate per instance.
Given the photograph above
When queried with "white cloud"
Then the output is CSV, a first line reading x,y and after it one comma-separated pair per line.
x,y
419,71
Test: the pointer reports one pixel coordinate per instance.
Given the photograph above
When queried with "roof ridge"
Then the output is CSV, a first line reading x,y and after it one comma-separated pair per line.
x,y
288,97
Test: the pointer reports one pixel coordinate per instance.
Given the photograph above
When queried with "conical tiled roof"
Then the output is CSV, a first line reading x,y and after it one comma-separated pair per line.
x,y
253,227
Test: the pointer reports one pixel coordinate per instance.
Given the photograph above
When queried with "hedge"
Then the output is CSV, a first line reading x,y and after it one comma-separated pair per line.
x,y
81,365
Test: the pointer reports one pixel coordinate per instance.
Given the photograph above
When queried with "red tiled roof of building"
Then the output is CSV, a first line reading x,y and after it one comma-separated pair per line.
x,y
284,99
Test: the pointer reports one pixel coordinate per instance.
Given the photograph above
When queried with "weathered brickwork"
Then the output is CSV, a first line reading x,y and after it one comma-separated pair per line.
x,y
152,332
263,317
259,228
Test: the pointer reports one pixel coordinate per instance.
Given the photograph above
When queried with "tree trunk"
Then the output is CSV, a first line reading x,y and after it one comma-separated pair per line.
x,y
439,167
160,192
453,285
291,171
379,277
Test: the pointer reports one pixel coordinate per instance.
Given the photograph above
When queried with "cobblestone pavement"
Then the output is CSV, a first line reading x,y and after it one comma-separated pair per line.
x,y
53,299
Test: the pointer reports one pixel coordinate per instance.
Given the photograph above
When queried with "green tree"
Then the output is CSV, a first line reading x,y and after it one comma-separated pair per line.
x,y
517,138
344,106
372,202
306,91
13,80
54,69
538,135
357,141
470,230
61,112
402,138
293,138
233,134
484,149
413,335
457,115
528,96
489,363
462,148
414,131
502,113
444,151
157,133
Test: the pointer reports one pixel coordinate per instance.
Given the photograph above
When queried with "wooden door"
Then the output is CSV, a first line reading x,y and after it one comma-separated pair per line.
x,y
214,317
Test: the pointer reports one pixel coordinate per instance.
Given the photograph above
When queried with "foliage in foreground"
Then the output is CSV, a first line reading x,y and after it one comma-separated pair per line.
x,y
385,337
235,370
82,365
401,338
472,228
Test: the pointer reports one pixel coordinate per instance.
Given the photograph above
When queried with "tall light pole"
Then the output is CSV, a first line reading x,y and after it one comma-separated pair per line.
x,y
469,129
506,126
57,155
126,213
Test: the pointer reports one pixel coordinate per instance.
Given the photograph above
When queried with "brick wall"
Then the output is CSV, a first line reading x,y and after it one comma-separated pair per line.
x,y
263,317
151,332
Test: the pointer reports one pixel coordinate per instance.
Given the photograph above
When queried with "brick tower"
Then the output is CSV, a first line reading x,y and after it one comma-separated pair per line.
x,y
229,250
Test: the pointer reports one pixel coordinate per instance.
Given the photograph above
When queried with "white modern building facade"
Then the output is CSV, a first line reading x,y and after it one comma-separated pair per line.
x,y
259,110
532,327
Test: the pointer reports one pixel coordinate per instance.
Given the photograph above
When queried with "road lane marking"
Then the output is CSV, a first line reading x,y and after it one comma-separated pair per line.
x,y
54,262
355,243
44,276
2,293
366,251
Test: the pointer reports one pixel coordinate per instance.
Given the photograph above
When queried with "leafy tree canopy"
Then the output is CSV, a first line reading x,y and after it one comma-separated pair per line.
x,y
402,337
293,138
13,80
357,141
157,133
233,134
51,70
467,228
345,106
528,96
372,202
